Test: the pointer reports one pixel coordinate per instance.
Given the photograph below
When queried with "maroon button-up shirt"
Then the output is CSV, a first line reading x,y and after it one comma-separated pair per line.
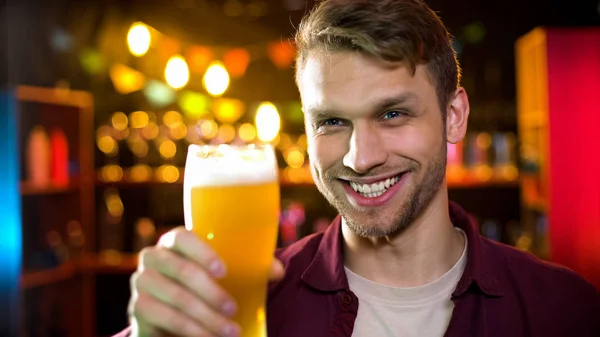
x,y
502,293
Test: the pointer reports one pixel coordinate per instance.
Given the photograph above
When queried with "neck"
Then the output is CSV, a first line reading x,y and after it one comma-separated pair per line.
x,y
418,255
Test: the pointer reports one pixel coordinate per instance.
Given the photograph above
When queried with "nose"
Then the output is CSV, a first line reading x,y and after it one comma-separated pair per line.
x,y
366,150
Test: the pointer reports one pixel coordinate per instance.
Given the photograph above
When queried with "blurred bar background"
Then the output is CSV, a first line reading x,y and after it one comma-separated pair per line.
x,y
101,99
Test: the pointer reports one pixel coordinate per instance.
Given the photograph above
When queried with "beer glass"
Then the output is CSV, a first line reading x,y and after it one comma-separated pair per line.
x,y
231,201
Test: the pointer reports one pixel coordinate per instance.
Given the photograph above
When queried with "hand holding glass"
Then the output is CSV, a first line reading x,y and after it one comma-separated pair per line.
x,y
231,201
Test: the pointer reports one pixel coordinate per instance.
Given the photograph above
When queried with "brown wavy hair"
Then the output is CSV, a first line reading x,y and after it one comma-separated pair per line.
x,y
390,30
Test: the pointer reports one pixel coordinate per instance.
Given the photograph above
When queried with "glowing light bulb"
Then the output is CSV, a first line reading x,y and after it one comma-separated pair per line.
x,y
216,79
267,122
177,73
138,39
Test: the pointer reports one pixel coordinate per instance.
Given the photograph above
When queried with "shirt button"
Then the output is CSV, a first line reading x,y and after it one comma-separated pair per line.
x,y
346,299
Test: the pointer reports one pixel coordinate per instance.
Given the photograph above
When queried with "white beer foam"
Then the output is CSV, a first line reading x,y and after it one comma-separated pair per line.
x,y
228,165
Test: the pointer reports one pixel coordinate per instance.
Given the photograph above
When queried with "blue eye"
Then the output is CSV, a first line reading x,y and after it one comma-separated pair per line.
x,y
332,122
392,114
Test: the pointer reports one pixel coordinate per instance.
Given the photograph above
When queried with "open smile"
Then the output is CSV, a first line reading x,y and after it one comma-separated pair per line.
x,y
374,193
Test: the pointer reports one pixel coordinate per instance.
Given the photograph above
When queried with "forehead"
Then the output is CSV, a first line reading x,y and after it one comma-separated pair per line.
x,y
350,81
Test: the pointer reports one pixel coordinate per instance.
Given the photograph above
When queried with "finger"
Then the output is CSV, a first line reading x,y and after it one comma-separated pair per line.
x,y
150,315
172,293
277,270
190,275
188,244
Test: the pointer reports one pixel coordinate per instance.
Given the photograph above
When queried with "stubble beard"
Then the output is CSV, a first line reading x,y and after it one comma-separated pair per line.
x,y
417,200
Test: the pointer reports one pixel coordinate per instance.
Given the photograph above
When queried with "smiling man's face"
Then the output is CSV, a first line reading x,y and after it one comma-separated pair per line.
x,y
376,139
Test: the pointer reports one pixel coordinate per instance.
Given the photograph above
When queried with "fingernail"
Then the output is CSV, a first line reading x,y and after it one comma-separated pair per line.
x,y
231,331
217,269
229,308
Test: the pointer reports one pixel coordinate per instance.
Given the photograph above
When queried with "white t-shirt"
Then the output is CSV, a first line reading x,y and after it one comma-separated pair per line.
x,y
422,311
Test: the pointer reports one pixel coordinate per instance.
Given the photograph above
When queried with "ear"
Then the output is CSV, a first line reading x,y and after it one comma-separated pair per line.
x,y
457,116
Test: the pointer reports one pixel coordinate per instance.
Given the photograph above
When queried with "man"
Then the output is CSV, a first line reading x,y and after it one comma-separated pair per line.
x,y
379,83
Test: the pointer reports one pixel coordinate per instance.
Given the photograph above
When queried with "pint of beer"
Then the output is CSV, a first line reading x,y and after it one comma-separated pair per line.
x,y
231,201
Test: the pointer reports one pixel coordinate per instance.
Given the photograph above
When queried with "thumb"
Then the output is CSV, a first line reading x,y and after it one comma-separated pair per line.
x,y
277,270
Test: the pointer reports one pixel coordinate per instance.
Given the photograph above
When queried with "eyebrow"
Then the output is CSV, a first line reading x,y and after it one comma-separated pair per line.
x,y
381,105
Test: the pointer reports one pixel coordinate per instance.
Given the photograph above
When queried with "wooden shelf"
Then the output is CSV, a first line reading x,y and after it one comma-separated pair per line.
x,y
49,276
90,264
97,264
30,189
492,183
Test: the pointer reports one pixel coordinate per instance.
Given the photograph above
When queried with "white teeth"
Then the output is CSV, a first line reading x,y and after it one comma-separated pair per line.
x,y
376,189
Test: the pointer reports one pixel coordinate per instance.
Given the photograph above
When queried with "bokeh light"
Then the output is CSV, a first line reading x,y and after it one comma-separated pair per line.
x,y
139,119
167,149
119,121
226,133
138,39
247,132
216,79
177,73
267,121
208,129
294,158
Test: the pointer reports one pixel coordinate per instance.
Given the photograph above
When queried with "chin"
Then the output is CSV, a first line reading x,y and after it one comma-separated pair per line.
x,y
375,225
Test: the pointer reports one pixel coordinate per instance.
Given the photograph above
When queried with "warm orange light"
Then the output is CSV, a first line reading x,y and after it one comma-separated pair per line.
x,y
167,149
208,129
171,117
150,131
294,158
228,110
119,121
247,132
139,119
126,80
178,130
227,133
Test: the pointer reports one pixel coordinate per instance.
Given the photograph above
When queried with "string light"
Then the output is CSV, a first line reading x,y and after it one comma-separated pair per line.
x,y
267,121
138,39
177,73
216,79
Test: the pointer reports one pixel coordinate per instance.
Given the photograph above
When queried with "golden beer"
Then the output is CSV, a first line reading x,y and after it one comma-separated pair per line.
x,y
232,202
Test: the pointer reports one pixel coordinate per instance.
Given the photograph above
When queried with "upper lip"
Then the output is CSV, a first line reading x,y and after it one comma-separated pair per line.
x,y
371,180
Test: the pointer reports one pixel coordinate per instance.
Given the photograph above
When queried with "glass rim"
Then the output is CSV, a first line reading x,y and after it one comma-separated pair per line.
x,y
236,150
197,147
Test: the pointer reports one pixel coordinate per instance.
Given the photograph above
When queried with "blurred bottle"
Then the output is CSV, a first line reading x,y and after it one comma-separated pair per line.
x,y
60,157
38,157
505,159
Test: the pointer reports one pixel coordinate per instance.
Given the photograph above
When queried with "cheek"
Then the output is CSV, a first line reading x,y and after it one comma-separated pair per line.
x,y
324,152
414,141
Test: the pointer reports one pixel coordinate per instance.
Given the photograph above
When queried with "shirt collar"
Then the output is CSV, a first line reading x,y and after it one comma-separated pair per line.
x,y
326,270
